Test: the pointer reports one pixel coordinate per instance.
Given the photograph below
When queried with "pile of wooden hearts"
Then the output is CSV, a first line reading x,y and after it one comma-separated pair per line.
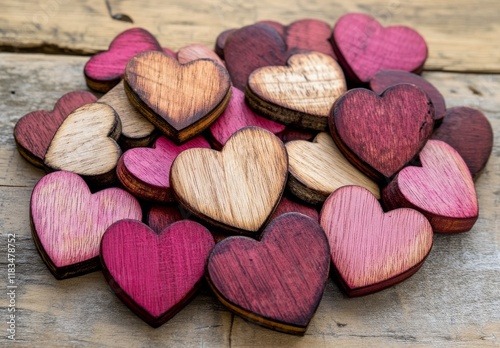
x,y
277,88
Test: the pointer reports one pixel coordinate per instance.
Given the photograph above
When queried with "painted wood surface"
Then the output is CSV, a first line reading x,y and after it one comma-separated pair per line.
x,y
442,189
197,51
237,188
289,205
276,282
68,221
180,107
370,249
155,274
300,94
34,131
318,168
381,134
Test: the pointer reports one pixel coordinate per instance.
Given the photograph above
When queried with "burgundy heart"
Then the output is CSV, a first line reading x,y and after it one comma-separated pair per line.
x,y
310,35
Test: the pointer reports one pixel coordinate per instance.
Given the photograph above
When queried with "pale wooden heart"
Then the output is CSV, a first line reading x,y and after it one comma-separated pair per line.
x,y
85,143
237,188
318,168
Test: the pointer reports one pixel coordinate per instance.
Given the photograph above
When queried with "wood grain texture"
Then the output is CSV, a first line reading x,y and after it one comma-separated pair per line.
x,y
276,283
197,51
68,221
289,205
387,78
318,168
34,131
442,189
160,217
173,96
85,144
300,94
469,132
136,129
146,171
381,134
372,250
155,274
237,188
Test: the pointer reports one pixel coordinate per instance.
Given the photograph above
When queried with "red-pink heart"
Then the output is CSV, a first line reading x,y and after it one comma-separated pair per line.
x,y
155,274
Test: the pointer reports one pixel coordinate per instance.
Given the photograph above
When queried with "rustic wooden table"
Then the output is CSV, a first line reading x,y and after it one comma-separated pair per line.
x,y
453,300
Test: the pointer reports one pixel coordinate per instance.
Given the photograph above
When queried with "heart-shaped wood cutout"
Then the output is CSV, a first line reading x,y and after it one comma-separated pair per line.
x,y
237,188
469,132
318,168
372,250
155,274
85,144
288,205
442,189
277,282
220,42
197,51
363,47
300,94
381,134
160,217
104,70
34,131
310,35
68,221
181,100
146,172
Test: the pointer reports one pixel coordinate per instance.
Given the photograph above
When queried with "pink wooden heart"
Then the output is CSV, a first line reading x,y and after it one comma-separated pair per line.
x,y
287,205
370,249
155,274
442,189
104,70
146,171
276,282
34,131
68,221
364,47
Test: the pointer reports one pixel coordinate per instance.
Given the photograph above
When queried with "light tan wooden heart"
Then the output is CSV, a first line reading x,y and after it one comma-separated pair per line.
x,y
85,143
237,188
318,168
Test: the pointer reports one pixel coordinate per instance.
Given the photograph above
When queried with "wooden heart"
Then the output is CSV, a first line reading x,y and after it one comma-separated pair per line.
x,y
469,132
372,250
300,94
237,188
288,205
387,78
363,47
381,134
220,42
442,189
146,172
181,100
197,51
68,221
155,274
310,35
34,131
277,282
318,168
85,144
236,116
160,217
104,70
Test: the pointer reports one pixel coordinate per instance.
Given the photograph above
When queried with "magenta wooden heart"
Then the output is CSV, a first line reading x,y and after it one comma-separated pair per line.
x,y
146,171
442,189
155,274
104,70
381,134
277,282
68,221
34,131
363,47
372,250
236,116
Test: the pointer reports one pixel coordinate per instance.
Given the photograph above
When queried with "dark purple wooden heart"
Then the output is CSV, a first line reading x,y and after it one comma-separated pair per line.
x,y
160,217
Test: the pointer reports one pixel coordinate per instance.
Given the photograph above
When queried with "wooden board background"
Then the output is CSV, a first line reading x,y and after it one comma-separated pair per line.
x,y
454,300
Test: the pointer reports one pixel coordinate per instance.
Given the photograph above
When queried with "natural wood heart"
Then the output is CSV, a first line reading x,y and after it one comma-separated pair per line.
x,y
181,100
237,188
442,189
301,93
372,250
85,144
318,168
67,221
277,282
